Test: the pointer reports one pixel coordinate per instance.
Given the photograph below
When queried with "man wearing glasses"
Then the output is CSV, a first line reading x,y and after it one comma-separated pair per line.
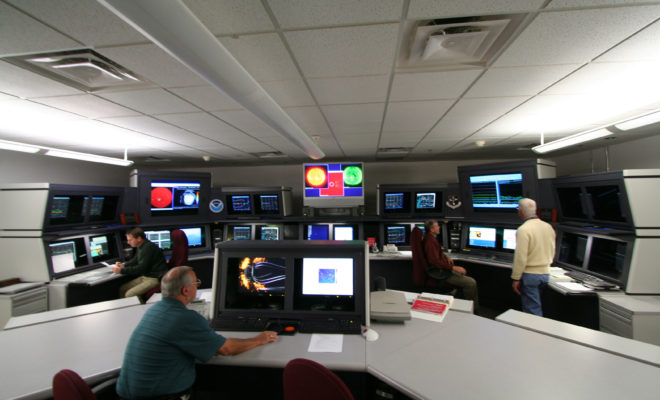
x,y
159,361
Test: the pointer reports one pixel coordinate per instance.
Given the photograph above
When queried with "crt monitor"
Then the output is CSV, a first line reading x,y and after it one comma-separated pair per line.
x,y
343,232
239,204
606,202
67,255
255,283
267,204
67,209
239,232
496,192
317,232
160,237
103,208
324,284
607,257
482,237
397,202
428,202
397,234
103,248
196,236
268,232
172,198
572,249
508,239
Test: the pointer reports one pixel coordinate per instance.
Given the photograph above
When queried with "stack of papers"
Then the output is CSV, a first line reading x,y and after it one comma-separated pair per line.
x,y
431,306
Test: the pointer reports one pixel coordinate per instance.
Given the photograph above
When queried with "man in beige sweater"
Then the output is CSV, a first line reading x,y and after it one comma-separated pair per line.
x,y
535,250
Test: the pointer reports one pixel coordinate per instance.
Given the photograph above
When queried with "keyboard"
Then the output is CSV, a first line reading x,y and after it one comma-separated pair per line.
x,y
590,281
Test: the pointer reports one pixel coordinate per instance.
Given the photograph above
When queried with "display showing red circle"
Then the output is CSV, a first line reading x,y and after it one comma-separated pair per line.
x,y
161,197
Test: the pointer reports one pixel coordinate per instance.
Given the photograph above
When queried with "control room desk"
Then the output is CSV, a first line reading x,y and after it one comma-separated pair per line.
x,y
465,356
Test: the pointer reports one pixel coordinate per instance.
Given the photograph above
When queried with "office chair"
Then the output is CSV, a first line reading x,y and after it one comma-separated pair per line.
x,y
307,379
420,278
68,385
179,257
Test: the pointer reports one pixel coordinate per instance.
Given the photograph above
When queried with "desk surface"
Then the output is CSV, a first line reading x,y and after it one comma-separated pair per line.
x,y
465,357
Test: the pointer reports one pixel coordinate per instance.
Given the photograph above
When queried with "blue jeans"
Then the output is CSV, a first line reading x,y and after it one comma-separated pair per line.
x,y
531,287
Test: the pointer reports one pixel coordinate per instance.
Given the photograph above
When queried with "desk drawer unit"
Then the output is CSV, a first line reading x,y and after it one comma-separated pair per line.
x,y
615,320
29,302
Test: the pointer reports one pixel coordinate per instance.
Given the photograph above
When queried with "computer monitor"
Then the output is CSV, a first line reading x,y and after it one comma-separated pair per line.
x,y
239,204
240,232
103,247
67,209
317,232
482,237
255,283
103,208
607,257
328,185
343,232
269,232
397,234
196,236
496,191
396,202
161,238
508,239
324,284
572,249
267,204
176,198
67,255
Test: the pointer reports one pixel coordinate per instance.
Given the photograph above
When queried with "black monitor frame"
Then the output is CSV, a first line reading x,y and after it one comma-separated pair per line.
x,y
84,217
290,250
409,194
86,261
498,251
207,242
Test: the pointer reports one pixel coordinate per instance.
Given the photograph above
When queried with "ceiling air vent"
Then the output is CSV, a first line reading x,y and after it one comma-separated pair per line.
x,y
83,69
455,43
270,154
393,152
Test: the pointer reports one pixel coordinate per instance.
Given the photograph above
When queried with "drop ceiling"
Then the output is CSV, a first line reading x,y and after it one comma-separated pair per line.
x,y
332,66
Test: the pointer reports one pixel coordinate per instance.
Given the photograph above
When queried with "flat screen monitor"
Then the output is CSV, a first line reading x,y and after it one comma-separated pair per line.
x,y
333,185
343,232
161,238
324,284
396,234
317,232
482,237
103,208
239,204
572,249
267,204
496,192
607,257
241,232
428,202
606,203
269,232
174,198
67,254
68,209
103,248
396,202
508,239
255,283
196,236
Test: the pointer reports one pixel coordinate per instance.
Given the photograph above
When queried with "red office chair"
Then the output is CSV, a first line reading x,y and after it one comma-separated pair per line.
x,y
306,379
420,277
179,257
68,385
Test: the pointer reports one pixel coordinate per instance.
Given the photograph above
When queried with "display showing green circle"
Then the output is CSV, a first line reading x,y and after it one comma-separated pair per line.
x,y
353,175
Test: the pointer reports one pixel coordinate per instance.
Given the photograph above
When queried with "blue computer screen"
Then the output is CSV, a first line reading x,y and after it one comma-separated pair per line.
x,y
317,232
480,236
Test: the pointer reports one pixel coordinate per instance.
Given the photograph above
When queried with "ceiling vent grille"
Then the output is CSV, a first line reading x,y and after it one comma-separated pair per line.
x,y
455,43
83,69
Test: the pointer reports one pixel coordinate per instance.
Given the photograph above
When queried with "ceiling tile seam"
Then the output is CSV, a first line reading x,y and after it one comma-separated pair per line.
x,y
524,24
600,7
44,23
276,24
278,28
390,83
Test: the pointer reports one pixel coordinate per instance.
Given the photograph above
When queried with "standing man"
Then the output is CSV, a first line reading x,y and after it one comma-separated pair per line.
x,y
535,250
441,266
159,361
148,264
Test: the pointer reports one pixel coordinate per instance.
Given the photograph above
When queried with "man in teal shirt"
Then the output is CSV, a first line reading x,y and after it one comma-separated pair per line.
x,y
148,265
159,361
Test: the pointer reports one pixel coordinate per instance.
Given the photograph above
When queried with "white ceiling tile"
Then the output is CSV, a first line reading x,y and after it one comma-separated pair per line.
x,y
22,83
263,56
247,122
22,118
308,13
87,21
6,97
22,34
324,52
590,3
202,124
310,120
363,89
153,64
207,98
414,115
291,93
518,81
355,118
432,85
642,46
86,105
575,37
434,145
150,101
231,16
400,139
428,9
160,130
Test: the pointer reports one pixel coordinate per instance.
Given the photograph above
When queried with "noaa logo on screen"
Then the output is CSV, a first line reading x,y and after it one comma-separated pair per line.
x,y
216,206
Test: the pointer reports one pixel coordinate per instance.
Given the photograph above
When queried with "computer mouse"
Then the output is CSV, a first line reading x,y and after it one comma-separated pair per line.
x,y
369,334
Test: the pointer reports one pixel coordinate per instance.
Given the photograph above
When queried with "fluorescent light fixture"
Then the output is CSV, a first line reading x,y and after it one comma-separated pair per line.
x,y
647,119
14,146
175,29
88,157
571,140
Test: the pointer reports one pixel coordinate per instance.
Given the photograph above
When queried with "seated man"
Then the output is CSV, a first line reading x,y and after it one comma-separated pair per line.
x,y
159,361
148,264
442,267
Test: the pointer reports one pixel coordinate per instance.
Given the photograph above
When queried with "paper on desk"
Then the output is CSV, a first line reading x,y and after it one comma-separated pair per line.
x,y
205,296
573,286
326,343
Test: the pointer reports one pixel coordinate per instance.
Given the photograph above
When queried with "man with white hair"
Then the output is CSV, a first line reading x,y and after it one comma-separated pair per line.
x,y
535,250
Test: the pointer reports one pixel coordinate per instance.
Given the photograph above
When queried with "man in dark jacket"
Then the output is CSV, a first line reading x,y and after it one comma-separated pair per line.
x,y
148,265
